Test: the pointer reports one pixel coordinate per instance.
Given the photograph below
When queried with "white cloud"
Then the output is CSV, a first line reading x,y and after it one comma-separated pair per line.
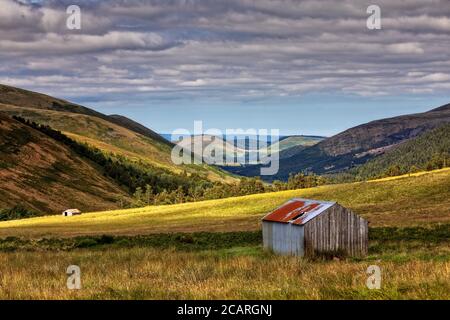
x,y
438,77
229,49
53,43
406,48
194,83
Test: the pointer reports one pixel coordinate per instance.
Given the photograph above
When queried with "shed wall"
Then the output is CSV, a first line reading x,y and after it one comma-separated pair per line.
x,y
283,238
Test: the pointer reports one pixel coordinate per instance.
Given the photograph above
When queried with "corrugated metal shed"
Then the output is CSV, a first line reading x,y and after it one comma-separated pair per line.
x,y
307,227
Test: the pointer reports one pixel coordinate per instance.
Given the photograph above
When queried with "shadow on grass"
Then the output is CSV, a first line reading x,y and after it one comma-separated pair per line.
x,y
383,240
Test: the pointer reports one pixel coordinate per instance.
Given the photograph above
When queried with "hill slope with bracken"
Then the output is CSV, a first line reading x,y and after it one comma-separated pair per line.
x,y
428,151
34,168
357,145
385,132
116,134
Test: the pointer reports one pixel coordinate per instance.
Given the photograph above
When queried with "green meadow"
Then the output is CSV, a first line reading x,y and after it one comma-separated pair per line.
x,y
212,249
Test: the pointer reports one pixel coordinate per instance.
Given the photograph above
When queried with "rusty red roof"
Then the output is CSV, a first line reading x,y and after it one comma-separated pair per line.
x,y
298,211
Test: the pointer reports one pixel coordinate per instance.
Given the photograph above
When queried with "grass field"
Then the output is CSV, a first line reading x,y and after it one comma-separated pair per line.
x,y
142,273
409,240
404,201
210,267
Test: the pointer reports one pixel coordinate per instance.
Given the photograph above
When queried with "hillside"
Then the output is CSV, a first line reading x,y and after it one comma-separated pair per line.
x,y
116,134
291,145
28,99
137,127
420,199
34,168
292,141
384,132
363,142
417,153
356,145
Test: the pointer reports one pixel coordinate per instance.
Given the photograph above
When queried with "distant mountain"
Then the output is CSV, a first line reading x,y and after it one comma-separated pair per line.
x,y
209,143
239,138
244,147
34,167
356,145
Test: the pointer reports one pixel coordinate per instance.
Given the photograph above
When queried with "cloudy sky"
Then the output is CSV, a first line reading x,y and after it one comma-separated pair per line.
x,y
306,67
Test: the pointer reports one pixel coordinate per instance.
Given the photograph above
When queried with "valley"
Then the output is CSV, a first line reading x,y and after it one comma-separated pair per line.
x,y
241,151
194,231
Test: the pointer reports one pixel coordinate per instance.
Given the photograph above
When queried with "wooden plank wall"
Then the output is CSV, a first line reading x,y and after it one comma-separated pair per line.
x,y
337,229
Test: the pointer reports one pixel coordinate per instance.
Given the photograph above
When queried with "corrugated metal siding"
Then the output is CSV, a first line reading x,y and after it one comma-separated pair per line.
x,y
337,229
283,238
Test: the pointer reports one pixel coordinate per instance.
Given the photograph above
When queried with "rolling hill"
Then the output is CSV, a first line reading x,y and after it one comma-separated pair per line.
x,y
116,134
34,168
209,143
356,145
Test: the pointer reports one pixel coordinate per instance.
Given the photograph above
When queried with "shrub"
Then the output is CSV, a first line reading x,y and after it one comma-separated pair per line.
x,y
85,243
17,212
105,239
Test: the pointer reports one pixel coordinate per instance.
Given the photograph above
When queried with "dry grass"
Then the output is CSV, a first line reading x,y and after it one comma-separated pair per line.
x,y
239,273
406,201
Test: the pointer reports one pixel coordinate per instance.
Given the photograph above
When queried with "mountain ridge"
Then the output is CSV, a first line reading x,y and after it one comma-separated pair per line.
x,y
17,96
